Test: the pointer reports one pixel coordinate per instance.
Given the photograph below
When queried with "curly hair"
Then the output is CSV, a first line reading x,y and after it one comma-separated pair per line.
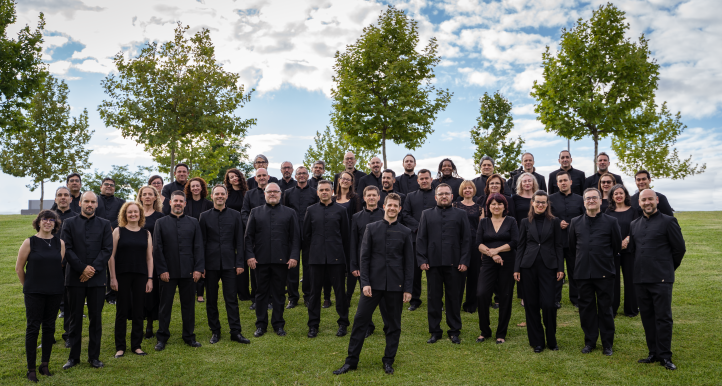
x,y
47,214
157,205
453,168
123,215
613,204
241,180
204,188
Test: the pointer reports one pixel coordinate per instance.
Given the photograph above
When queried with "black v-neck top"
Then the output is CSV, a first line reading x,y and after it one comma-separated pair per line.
x,y
508,234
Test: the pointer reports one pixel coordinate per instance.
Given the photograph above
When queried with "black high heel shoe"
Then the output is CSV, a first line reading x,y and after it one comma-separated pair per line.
x,y
44,370
32,377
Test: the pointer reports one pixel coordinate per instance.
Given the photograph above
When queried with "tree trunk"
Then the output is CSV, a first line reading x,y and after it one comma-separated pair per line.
x,y
172,162
595,135
383,147
42,194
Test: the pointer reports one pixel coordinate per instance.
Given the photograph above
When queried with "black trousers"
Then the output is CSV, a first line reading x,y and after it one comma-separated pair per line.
x,y
595,310
306,270
186,292
493,275
472,280
573,286
393,304
152,301
655,309
271,279
131,299
228,277
242,282
539,284
444,282
416,289
95,297
200,287
336,274
110,295
40,310
625,264
65,306
351,283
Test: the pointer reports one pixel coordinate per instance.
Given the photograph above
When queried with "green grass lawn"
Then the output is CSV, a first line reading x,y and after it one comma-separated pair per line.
x,y
295,359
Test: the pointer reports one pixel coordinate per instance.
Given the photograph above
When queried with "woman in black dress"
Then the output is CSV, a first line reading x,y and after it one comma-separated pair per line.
x,y
196,191
538,266
237,187
620,208
150,198
605,183
467,193
131,267
344,195
496,239
525,187
40,270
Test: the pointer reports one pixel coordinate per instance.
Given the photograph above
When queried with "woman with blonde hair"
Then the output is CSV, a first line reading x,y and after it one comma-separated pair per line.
x,y
150,198
467,193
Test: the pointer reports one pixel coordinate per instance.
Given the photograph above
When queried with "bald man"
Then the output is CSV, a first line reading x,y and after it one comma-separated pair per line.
x,y
373,179
349,161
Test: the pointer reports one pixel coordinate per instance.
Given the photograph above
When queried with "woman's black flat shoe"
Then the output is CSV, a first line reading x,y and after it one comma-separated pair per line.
x,y
119,355
479,340
140,353
32,376
499,341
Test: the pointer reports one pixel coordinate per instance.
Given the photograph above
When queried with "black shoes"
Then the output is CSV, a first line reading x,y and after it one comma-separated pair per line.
x,y
240,338
32,376
667,364
538,349
141,354
95,363
215,338
111,302
281,332
587,349
413,307
119,355
344,369
194,344
270,306
70,363
312,333
650,359
253,306
259,332
555,348
341,331
433,339
291,304
388,369
43,369
67,343
160,346
149,333
558,305
326,304
480,339
495,306
369,332
607,351
455,339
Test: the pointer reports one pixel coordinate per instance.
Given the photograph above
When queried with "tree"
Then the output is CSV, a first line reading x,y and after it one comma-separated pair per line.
x,y
652,148
22,71
47,144
596,80
383,86
127,183
177,101
490,134
331,147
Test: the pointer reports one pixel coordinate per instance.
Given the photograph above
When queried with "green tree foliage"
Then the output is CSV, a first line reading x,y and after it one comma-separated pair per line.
x,y
177,101
127,183
47,144
330,147
383,86
490,134
596,80
22,71
652,148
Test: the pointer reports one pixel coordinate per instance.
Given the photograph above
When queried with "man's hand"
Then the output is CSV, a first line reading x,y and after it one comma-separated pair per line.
x,y
251,263
560,276
407,297
625,242
196,276
88,272
424,267
564,224
517,276
367,291
114,284
356,273
239,271
292,263
165,276
462,268
149,286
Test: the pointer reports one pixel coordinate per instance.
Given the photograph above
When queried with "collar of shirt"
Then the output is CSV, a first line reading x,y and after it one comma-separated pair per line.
x,y
443,207
391,224
302,188
425,190
61,211
566,195
219,211
177,217
371,210
82,216
652,216
329,204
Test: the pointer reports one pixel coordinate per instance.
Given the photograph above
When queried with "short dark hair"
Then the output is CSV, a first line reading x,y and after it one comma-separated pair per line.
x,y
320,162
325,182
532,155
107,179
371,187
564,173
178,193
500,199
443,185
153,178
219,186
392,196
408,155
649,177
592,190
393,173
71,175
61,187
47,214
565,150
180,164
424,171
603,154
487,191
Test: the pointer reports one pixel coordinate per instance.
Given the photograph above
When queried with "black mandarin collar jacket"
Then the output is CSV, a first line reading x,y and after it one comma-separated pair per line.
x,y
252,184
223,239
383,194
443,238
658,248
407,183
454,182
178,247
593,180
566,207
299,199
74,204
358,229
414,205
171,187
663,205
387,257
578,181
313,181
480,183
272,235
253,199
548,244
66,215
108,208
286,185
368,180
88,242
326,234
594,241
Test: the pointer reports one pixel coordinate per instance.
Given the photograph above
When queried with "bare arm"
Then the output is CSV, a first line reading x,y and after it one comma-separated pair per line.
x,y
111,261
149,263
22,259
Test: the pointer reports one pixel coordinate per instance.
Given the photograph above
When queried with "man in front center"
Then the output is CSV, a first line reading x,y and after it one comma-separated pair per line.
x,y
387,275
442,251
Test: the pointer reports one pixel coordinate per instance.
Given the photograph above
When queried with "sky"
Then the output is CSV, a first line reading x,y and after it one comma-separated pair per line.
x,y
284,49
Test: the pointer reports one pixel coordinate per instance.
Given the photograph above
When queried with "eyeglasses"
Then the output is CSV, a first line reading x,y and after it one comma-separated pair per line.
x,y
606,182
273,191
345,179
540,203
74,180
591,199
302,174
443,194
109,185
48,220
495,183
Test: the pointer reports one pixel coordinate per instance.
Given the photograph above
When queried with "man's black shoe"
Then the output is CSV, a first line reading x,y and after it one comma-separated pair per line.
x,y
344,369
259,332
95,363
538,349
326,304
413,307
111,302
240,338
270,306
555,348
312,333
369,332
607,351
253,306
650,359
160,346
281,332
67,343
558,305
70,363
388,369
433,339
455,339
194,344
215,338
587,349
495,306
62,315
341,331
667,364
291,304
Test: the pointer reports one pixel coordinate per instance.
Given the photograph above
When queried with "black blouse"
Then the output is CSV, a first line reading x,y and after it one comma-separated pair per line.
x,y
624,219
473,212
150,221
508,234
521,208
131,252
235,199
43,271
352,206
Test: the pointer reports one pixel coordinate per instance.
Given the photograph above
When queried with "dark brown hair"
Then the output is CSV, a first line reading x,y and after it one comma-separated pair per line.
x,y
613,204
204,188
47,214
501,200
495,175
241,180
606,174
547,212
351,189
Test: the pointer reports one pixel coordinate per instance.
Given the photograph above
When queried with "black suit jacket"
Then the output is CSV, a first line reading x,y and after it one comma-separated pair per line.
x,y
658,248
358,229
594,241
325,233
253,199
663,205
252,184
414,205
178,247
88,242
578,181
407,183
454,182
565,207
108,208
387,257
443,237
548,243
299,199
368,180
222,231
272,235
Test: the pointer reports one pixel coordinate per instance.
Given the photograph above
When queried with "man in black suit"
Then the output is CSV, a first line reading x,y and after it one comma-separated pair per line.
x,y
388,185
287,181
658,246
108,208
387,259
180,172
272,244
407,182
253,199
349,161
442,250
602,167
486,165
64,211
317,170
373,178
73,184
88,245
643,180
595,239
527,166
577,176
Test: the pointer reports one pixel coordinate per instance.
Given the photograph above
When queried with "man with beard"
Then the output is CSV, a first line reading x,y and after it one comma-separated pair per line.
x,y
577,176
319,167
407,182
88,246
386,278
73,183
299,198
349,161
658,246
272,243
108,208
179,260
486,165
373,179
643,180
388,185
180,172
416,203
287,181
442,251
325,234
527,165
447,175
224,253
62,205
260,162
253,199
602,167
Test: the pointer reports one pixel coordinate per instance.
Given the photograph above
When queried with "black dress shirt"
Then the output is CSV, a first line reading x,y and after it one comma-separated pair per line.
x,y
108,208
252,184
88,242
547,244
358,228
223,239
286,185
406,183
578,179
565,207
74,204
594,241
387,257
508,234
65,215
178,247
299,199
368,180
480,183
169,188
658,248
443,237
272,235
663,205
195,208
313,182
593,180
253,199
454,182
235,199
357,175
414,205
326,234
511,182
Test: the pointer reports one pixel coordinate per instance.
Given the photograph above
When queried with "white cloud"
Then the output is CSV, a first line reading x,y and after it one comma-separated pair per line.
x,y
523,110
524,81
448,120
263,143
478,78
452,135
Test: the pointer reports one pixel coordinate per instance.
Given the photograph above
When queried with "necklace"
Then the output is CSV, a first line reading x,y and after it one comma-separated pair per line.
x,y
46,242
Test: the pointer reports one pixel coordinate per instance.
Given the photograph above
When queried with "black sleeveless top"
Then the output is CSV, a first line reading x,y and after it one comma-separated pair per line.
x,y
130,255
44,270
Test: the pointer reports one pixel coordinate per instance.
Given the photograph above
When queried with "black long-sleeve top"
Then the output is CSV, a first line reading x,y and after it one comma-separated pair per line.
x,y
663,205
443,237
624,219
171,187
88,242
74,204
368,180
658,248
178,247
547,244
593,180
286,185
223,239
454,182
407,183
195,208
357,175
508,234
299,199
358,228
521,208
108,208
473,213
387,257
252,184
65,215
511,182
235,200
272,235
578,181
565,207
326,234
594,241
253,199
414,205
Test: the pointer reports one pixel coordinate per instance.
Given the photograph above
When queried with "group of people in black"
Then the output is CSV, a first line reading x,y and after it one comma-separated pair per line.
x,y
379,231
